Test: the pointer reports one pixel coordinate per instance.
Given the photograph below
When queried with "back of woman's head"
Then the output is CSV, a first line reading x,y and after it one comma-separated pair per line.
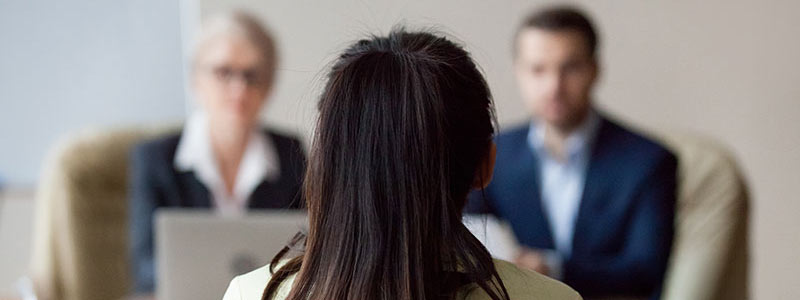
x,y
405,125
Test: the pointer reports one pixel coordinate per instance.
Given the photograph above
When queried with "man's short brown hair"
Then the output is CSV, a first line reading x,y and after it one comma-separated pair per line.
x,y
560,18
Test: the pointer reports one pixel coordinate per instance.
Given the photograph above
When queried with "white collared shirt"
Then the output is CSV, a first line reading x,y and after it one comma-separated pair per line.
x,y
259,163
562,182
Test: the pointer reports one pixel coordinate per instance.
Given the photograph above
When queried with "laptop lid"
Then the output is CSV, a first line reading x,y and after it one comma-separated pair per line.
x,y
198,252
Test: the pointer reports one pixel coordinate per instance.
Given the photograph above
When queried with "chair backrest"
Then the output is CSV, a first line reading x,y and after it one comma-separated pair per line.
x,y
80,236
80,242
710,253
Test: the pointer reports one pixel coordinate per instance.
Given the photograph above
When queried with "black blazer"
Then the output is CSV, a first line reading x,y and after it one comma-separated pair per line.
x,y
154,183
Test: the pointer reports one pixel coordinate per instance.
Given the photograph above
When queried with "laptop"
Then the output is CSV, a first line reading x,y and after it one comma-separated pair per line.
x,y
198,252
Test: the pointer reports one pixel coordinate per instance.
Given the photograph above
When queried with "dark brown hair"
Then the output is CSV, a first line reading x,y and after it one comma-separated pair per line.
x,y
405,122
561,18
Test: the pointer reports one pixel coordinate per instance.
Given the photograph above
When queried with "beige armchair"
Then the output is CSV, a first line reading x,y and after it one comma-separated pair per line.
x,y
80,231
80,243
710,254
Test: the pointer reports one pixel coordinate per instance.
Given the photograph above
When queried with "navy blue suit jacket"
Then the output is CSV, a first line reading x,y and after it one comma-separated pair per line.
x,y
155,183
624,226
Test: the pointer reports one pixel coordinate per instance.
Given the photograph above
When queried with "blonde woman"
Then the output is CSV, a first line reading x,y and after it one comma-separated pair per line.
x,y
223,159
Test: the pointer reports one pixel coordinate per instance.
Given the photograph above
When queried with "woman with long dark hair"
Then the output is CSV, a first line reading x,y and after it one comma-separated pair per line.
x,y
404,133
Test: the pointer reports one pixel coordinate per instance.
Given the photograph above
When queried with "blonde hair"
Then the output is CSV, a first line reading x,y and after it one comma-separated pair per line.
x,y
240,24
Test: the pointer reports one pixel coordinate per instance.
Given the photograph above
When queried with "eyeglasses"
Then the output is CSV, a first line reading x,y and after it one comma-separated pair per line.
x,y
252,77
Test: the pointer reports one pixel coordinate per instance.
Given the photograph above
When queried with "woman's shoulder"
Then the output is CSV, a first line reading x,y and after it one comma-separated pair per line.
x,y
282,138
521,285
251,285
289,147
161,146
524,285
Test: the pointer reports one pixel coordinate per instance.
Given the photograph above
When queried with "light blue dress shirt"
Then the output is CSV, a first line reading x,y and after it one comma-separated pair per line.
x,y
561,182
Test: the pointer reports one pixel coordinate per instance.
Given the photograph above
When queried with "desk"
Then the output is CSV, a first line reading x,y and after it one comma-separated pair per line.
x,y
16,230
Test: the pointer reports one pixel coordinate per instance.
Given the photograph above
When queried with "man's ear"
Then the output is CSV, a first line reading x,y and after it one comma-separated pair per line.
x,y
486,169
596,72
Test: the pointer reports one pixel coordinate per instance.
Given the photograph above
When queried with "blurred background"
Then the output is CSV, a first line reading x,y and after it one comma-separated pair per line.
x,y
727,70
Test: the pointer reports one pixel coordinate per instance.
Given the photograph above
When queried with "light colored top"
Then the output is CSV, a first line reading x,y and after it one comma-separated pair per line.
x,y
194,153
561,182
521,285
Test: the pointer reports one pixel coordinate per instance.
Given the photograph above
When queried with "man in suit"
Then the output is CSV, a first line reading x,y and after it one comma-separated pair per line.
x,y
591,202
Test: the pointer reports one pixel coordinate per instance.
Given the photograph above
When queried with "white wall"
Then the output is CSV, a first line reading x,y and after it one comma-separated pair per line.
x,y
727,69
69,65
